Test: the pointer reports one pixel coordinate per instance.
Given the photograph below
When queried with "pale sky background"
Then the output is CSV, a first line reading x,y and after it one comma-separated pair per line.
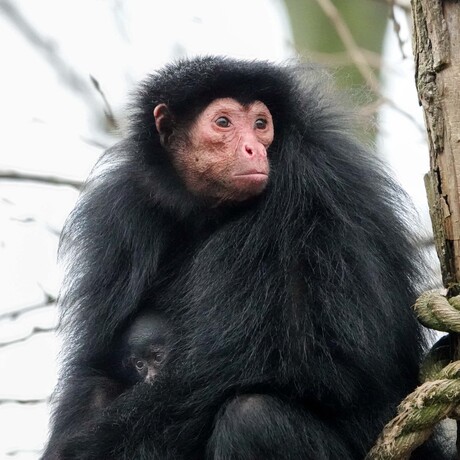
x,y
48,128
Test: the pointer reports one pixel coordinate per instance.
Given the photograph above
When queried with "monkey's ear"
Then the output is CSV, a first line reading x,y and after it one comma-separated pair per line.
x,y
163,122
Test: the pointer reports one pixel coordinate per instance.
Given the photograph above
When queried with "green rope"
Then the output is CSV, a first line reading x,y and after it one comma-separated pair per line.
x,y
434,400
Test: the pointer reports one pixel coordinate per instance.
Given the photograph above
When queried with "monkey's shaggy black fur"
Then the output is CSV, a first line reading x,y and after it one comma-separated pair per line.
x,y
294,336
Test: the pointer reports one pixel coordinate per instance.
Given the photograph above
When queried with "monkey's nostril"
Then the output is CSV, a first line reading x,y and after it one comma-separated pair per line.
x,y
248,149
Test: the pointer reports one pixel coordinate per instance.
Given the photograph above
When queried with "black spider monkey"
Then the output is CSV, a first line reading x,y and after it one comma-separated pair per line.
x,y
241,207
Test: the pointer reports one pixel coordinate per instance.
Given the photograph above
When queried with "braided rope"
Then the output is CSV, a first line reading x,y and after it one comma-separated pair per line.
x,y
432,401
437,312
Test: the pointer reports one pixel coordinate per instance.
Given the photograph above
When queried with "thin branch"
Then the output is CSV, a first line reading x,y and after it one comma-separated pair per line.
x,y
27,220
372,108
397,28
14,453
51,53
342,58
355,52
110,117
49,49
16,313
52,180
33,220
35,331
23,401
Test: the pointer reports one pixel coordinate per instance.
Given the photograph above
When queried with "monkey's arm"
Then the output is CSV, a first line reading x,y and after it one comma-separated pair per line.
x,y
128,426
114,243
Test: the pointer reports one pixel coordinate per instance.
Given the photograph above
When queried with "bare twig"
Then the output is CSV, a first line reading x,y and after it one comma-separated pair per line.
x,y
49,301
52,180
14,453
352,48
33,220
49,50
110,117
372,108
343,58
397,28
30,219
23,401
36,330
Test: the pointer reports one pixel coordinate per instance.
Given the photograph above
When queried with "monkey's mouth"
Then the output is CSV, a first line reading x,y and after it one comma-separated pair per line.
x,y
252,179
253,174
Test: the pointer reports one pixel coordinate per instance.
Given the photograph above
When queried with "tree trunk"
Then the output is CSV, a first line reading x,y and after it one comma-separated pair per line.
x,y
436,43
437,60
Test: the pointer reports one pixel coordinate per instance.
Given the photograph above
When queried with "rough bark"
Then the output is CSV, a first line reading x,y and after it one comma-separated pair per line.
x,y
436,44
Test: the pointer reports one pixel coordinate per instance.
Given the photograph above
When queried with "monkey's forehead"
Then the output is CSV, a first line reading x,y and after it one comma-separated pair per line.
x,y
296,93
194,83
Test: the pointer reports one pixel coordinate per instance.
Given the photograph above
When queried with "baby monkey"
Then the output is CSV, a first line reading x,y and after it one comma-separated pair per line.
x,y
145,347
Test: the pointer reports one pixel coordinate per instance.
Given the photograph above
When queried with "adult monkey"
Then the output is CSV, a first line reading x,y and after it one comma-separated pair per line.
x,y
240,207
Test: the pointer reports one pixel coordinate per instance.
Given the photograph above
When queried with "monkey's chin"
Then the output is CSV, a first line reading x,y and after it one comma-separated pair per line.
x,y
250,185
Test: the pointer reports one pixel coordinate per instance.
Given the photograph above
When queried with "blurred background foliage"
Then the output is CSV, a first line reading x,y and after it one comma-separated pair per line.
x,y
316,36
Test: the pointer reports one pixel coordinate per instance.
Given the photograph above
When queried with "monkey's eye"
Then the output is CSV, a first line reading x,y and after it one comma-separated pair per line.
x,y
158,356
139,364
260,123
223,122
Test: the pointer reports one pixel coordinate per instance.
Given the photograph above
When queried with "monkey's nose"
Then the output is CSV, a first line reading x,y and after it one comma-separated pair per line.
x,y
252,150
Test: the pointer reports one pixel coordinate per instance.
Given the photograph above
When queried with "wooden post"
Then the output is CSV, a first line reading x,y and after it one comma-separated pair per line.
x,y
436,45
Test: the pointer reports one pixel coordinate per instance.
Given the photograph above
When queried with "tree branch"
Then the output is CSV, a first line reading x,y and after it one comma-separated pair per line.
x,y
36,330
49,50
14,314
351,46
23,401
52,180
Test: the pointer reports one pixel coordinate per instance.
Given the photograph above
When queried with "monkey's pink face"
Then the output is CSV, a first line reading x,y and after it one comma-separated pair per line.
x,y
226,157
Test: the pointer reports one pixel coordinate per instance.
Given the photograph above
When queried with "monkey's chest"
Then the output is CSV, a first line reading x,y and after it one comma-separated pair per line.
x,y
247,347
